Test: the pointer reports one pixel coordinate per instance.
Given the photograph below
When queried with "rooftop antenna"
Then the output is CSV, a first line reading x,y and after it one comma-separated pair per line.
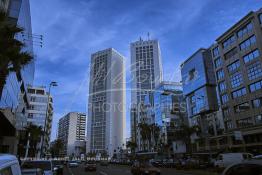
x,y
148,35
140,39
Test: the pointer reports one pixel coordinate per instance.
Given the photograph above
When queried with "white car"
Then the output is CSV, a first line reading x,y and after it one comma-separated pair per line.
x,y
45,165
225,159
250,167
9,165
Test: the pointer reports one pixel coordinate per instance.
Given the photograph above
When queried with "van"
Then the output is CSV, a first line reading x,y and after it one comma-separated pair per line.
x,y
225,159
9,165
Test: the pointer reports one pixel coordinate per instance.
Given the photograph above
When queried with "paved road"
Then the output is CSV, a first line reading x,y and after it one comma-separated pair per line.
x,y
115,170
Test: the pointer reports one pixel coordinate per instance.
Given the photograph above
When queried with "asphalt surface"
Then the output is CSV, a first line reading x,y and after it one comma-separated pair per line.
x,y
116,170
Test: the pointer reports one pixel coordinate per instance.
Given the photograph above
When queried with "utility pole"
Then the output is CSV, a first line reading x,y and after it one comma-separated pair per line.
x,y
52,84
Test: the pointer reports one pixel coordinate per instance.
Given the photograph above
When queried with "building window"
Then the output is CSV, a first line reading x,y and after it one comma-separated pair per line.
x,y
239,93
222,86
244,122
31,91
229,125
245,30
226,112
218,62
220,74
231,53
30,115
252,55
242,107
194,110
193,99
254,71
215,52
247,43
236,80
257,103
234,66
255,86
229,41
224,98
258,119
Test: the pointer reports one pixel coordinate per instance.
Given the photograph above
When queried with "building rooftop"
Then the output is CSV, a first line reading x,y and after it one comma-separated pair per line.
x,y
100,52
199,50
144,42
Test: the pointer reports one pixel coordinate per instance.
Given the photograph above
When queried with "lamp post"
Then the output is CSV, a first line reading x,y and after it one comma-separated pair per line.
x,y
52,84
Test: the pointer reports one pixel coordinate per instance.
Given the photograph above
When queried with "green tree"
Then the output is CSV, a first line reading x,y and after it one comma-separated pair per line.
x,y
35,133
184,134
57,148
12,56
145,133
132,146
155,131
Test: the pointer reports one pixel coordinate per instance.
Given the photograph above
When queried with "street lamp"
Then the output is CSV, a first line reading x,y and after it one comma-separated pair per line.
x,y
52,84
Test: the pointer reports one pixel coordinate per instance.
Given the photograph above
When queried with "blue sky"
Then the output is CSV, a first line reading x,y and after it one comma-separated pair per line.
x,y
73,29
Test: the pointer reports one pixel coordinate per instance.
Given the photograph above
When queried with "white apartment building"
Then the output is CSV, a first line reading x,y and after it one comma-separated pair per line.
x,y
38,111
71,130
106,103
146,70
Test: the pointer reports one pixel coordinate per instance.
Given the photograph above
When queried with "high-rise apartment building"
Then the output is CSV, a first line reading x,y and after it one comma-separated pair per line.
x,y
146,70
238,68
71,130
106,103
40,112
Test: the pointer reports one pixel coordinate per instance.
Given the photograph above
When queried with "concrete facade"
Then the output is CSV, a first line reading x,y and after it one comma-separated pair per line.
x,y
39,113
71,130
106,102
238,67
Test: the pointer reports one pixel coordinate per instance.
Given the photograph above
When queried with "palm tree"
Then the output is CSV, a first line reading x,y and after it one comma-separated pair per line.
x,y
132,146
57,148
12,58
145,133
155,130
35,137
184,134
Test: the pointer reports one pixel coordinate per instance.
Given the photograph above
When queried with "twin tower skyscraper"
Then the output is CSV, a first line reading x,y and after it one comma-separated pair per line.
x,y
106,124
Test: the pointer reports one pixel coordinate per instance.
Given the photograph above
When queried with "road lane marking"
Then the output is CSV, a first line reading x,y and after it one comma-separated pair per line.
x,y
103,173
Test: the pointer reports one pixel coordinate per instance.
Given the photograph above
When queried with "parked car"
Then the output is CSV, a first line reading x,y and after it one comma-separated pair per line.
x,y
45,165
58,167
170,163
257,157
35,171
73,164
226,159
157,163
90,166
9,165
251,167
139,168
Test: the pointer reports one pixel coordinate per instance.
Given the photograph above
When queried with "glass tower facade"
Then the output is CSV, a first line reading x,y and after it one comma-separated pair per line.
x,y
199,83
